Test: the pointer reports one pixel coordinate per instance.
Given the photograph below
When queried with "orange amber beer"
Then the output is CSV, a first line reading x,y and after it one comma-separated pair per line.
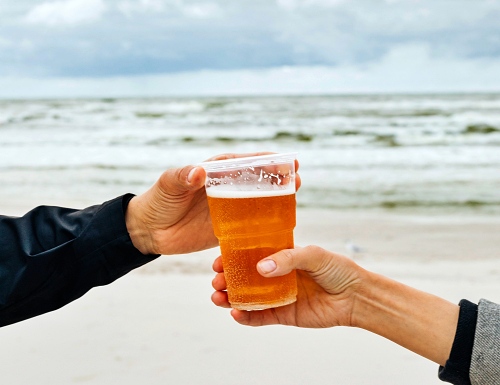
x,y
250,229
253,215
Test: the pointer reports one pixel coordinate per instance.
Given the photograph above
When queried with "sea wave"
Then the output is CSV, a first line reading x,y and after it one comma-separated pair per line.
x,y
390,152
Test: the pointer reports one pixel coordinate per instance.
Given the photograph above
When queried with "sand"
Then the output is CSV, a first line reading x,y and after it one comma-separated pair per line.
x,y
157,325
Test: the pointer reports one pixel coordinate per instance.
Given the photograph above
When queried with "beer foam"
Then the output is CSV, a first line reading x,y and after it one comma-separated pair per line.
x,y
223,193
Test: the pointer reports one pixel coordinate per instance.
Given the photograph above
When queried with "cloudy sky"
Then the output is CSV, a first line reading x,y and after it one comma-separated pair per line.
x,y
210,47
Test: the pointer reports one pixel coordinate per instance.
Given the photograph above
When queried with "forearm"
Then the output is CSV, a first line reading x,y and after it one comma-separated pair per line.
x,y
418,321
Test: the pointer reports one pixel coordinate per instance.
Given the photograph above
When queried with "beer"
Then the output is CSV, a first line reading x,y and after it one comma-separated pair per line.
x,y
250,226
252,206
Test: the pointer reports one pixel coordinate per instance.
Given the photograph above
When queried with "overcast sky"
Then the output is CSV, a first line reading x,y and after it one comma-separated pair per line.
x,y
183,47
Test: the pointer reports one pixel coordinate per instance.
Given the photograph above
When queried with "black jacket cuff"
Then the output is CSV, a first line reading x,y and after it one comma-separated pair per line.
x,y
109,240
456,369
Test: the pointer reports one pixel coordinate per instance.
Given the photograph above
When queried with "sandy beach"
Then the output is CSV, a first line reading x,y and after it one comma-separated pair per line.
x,y
157,325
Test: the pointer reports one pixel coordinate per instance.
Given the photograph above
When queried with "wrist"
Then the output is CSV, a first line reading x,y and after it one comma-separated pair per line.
x,y
369,300
137,228
416,320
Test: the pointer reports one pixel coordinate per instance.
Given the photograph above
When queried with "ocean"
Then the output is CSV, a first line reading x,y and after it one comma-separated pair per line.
x,y
425,153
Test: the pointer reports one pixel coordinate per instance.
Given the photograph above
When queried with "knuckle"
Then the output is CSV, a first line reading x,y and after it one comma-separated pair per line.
x,y
313,249
288,256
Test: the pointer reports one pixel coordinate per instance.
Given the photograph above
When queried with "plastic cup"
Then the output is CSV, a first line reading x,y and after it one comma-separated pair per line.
x,y
252,207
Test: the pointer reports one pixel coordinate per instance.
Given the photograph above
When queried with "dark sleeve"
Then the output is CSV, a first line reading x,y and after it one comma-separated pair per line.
x,y
53,255
456,369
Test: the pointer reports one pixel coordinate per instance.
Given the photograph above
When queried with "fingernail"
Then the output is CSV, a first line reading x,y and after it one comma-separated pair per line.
x,y
191,173
267,266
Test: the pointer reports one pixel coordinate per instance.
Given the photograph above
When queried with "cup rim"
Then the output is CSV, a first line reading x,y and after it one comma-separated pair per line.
x,y
248,161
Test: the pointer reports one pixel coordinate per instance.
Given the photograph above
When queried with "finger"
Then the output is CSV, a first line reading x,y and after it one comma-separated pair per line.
x,y
312,259
217,265
196,177
179,180
298,182
219,282
219,298
233,155
255,318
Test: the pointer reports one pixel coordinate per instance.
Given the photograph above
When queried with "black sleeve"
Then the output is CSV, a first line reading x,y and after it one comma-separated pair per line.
x,y
456,369
53,255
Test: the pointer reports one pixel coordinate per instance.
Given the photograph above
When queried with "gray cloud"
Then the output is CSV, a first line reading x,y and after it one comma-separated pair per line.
x,y
79,38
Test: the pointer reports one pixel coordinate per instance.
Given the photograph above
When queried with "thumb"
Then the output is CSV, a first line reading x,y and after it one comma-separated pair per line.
x,y
311,259
180,180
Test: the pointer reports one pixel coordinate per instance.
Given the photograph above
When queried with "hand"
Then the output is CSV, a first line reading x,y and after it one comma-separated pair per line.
x,y
335,291
327,285
172,217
